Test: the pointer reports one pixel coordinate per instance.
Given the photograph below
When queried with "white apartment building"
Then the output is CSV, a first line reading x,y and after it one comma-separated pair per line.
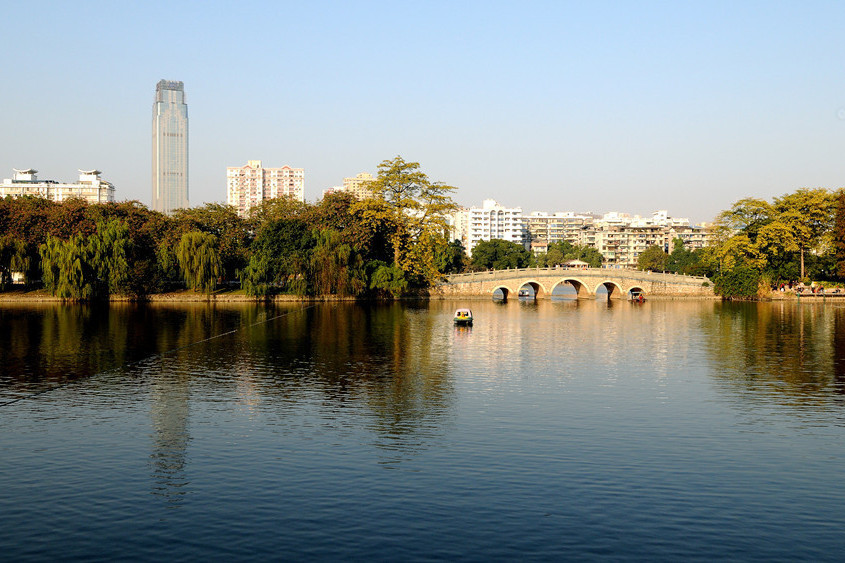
x,y
248,186
493,221
89,187
556,227
458,222
619,237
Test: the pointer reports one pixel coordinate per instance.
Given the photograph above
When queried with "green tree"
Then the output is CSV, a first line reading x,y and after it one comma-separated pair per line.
x,y
13,258
652,258
280,258
739,282
452,259
588,254
148,231
223,222
199,260
388,279
499,254
554,256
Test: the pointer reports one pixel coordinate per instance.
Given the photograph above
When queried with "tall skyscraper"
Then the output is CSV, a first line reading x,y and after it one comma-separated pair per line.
x,y
170,147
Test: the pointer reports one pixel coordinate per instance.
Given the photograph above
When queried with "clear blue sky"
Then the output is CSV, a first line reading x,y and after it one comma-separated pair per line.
x,y
550,106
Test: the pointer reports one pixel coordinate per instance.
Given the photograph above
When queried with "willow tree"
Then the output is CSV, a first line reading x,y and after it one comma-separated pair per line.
x,y
109,254
336,268
198,257
66,268
222,221
417,208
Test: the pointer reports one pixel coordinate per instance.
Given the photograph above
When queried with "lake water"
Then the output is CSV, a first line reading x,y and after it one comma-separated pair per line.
x,y
557,430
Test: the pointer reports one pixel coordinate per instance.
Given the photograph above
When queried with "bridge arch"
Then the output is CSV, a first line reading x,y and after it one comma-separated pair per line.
x,y
581,289
506,291
539,288
614,290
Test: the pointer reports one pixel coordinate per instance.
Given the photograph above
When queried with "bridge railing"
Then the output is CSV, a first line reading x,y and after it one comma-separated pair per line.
x,y
668,277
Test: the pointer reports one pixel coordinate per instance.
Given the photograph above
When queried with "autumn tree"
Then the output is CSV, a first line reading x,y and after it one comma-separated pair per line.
x,y
839,234
416,208
808,215
747,216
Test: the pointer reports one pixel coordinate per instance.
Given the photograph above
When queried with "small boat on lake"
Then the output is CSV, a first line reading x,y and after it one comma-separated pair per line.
x,y
463,317
637,297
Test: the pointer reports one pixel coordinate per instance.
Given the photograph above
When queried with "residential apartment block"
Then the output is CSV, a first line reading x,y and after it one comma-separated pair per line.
x,y
89,187
248,186
357,186
556,227
490,221
619,237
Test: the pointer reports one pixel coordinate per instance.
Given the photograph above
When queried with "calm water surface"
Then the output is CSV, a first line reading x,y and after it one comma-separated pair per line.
x,y
557,430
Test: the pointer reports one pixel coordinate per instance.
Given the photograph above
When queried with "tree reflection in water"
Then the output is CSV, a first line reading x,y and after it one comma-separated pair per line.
x,y
381,360
794,351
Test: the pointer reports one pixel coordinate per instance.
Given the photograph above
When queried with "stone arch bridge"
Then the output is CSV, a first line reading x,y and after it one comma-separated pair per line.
x,y
619,283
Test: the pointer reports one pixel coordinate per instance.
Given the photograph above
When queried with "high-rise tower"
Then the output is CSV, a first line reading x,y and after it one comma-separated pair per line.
x,y
170,147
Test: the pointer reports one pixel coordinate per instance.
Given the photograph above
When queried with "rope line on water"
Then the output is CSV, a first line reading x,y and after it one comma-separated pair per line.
x,y
152,357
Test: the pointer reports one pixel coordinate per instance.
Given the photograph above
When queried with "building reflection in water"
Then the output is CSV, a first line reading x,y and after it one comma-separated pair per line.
x,y
169,397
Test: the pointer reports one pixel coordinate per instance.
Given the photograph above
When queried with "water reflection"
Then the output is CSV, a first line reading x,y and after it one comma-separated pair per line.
x,y
388,363
793,351
169,400
544,428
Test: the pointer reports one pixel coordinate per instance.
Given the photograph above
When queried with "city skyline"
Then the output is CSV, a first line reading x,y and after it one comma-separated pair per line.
x,y
170,174
556,106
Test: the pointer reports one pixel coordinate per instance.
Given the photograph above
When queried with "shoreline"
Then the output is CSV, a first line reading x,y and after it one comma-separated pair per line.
x,y
223,296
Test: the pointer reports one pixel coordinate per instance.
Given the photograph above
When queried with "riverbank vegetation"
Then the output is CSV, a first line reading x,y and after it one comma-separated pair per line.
x,y
393,243
757,245
387,245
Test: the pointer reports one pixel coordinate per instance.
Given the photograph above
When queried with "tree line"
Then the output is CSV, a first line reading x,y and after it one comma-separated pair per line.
x,y
387,245
757,244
